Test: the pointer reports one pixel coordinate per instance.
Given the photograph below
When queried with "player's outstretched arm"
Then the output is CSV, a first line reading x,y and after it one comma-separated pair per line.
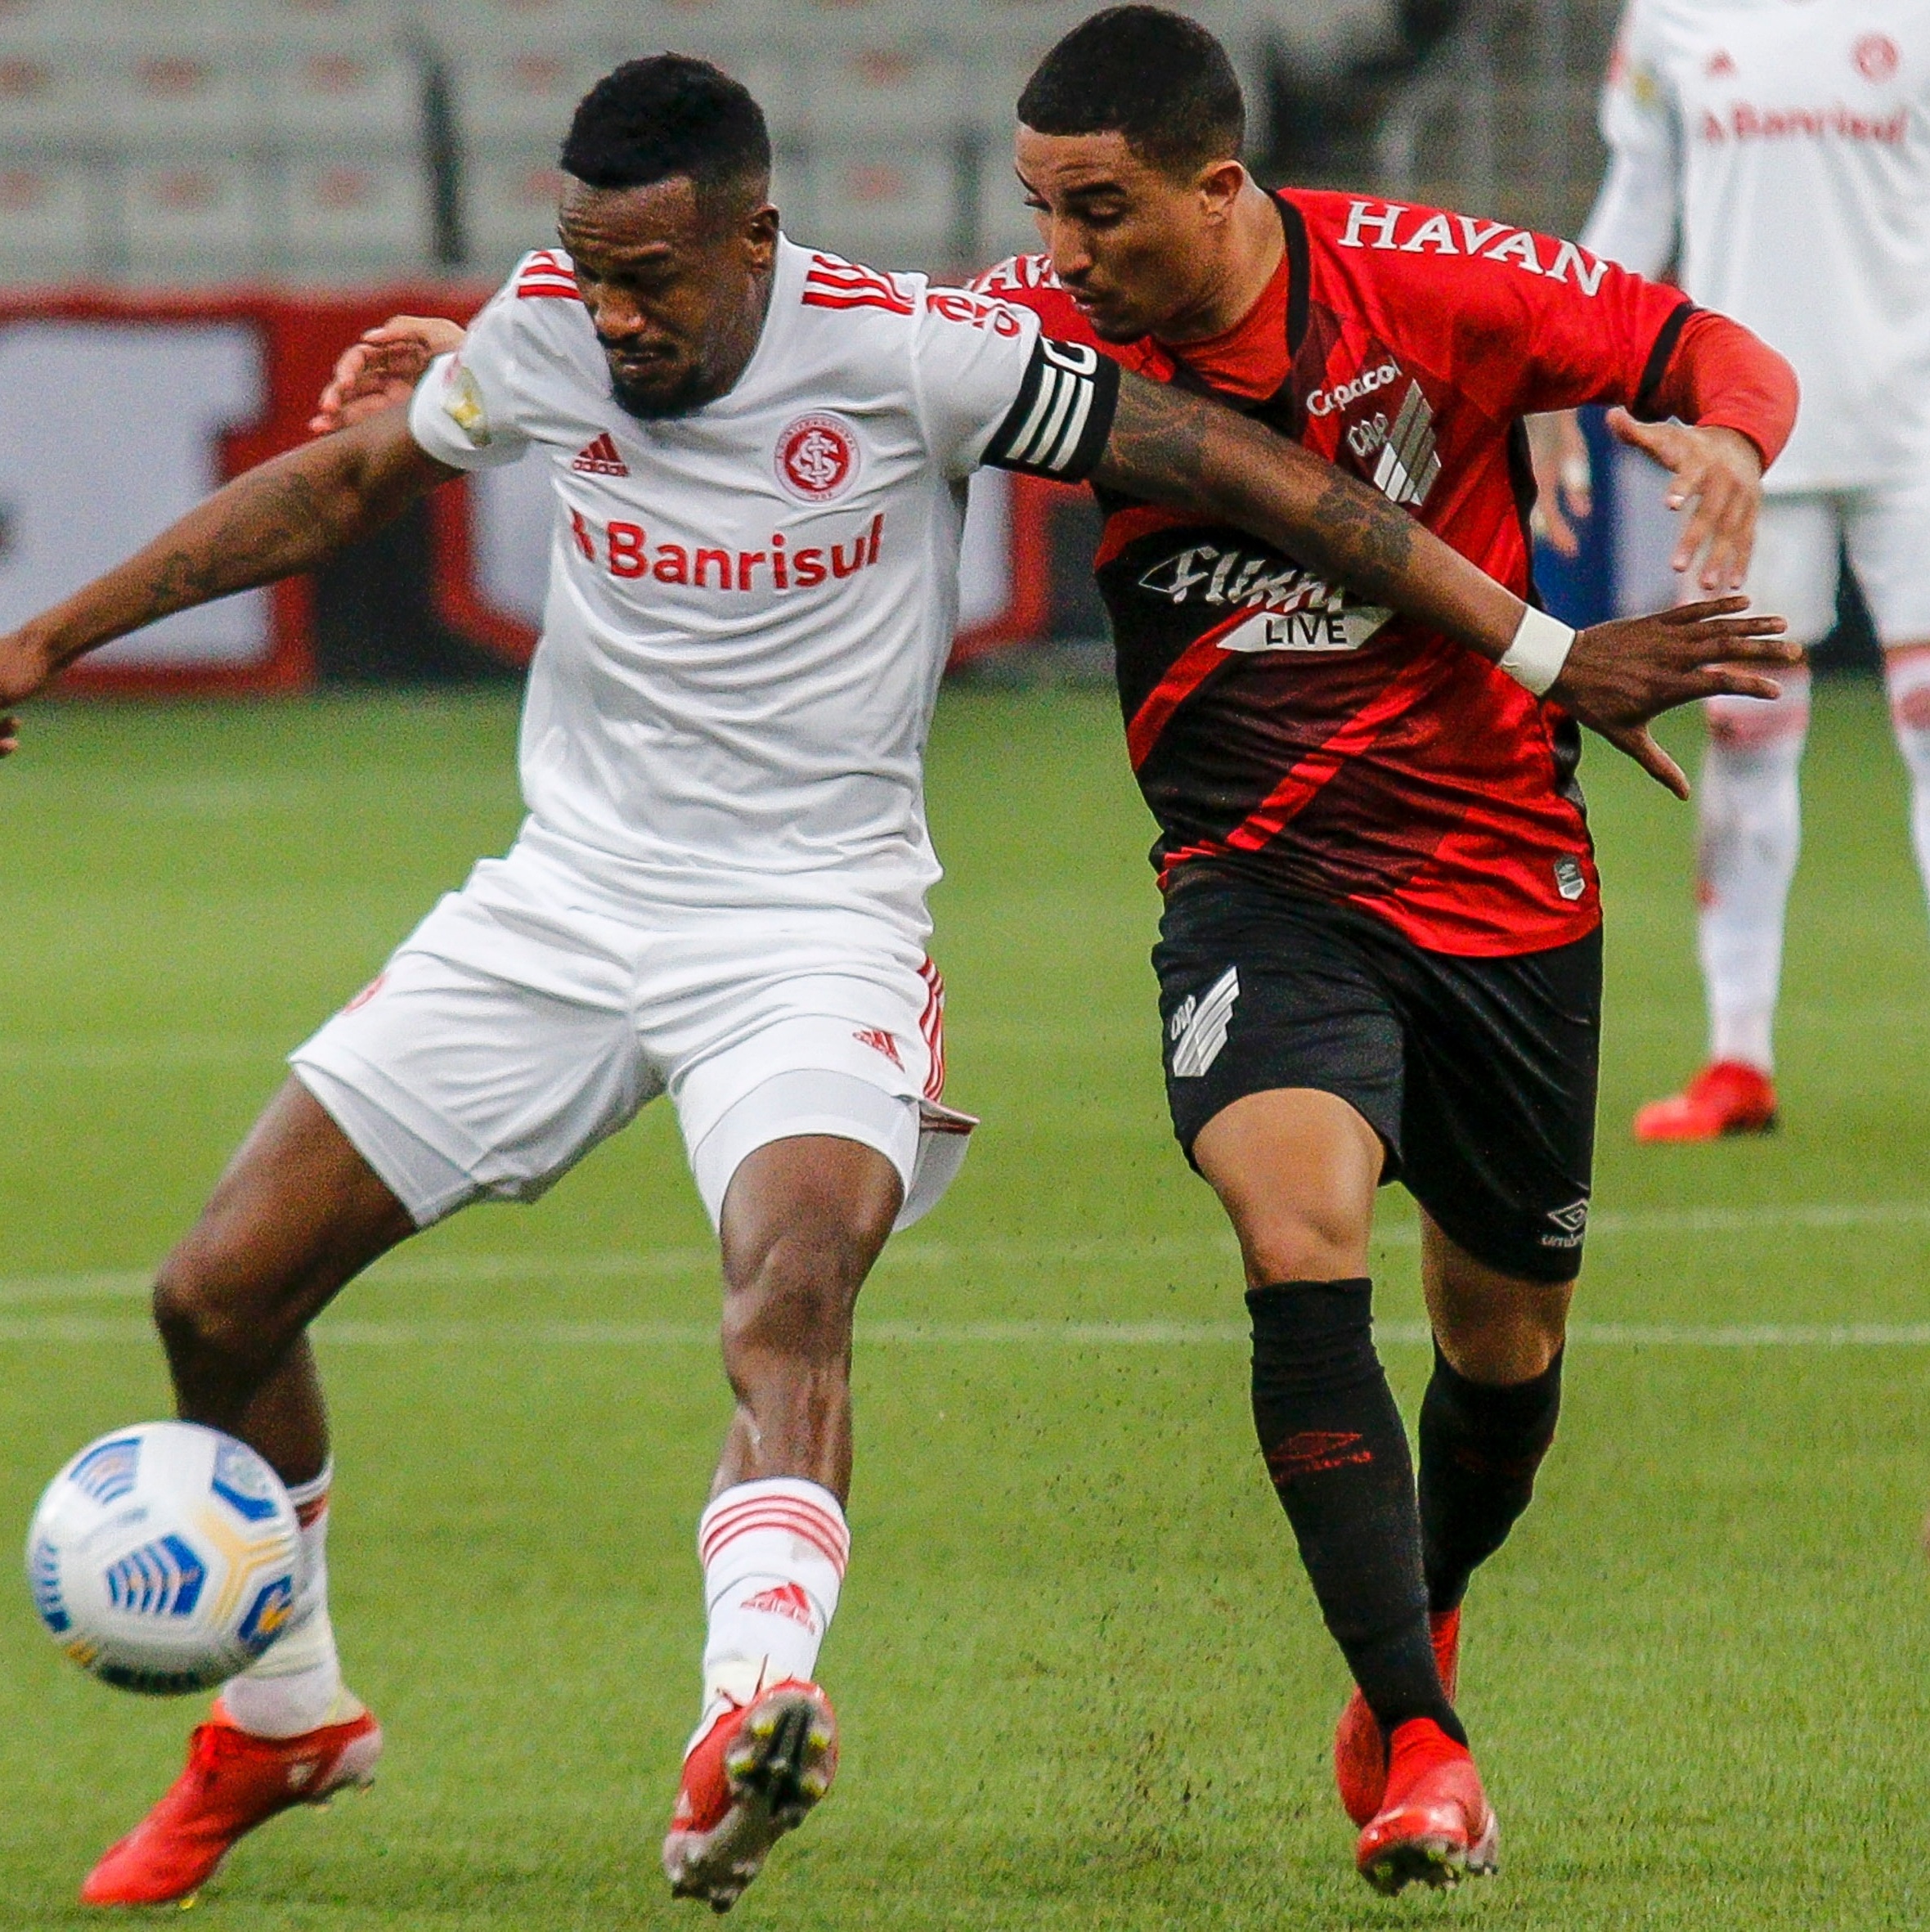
x,y
276,521
1168,446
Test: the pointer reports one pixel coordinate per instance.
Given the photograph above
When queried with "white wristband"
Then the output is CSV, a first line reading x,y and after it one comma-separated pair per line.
x,y
1541,648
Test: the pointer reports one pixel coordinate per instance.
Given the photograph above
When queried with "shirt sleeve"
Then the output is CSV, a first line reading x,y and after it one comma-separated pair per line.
x,y
1636,215
1721,376
993,389
1580,330
465,410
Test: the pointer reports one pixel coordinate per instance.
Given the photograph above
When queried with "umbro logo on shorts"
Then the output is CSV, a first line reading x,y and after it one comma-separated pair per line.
x,y
1199,1029
1572,1221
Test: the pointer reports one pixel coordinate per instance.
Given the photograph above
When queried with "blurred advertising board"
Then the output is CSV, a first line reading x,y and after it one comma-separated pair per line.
x,y
118,413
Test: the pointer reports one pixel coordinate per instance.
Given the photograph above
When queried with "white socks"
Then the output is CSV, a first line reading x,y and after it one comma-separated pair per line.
x,y
296,1686
1907,674
1751,831
774,1555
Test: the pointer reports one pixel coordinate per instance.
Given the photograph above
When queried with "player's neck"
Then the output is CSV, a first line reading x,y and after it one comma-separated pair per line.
x,y
1248,259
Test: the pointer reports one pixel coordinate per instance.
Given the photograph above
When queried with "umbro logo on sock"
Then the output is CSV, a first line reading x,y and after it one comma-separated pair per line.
x,y
600,458
785,1600
1312,1450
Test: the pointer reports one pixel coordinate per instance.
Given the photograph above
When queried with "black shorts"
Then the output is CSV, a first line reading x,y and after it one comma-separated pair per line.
x,y
1479,1075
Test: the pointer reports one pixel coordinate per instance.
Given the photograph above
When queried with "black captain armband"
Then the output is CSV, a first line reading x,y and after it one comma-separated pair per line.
x,y
1058,427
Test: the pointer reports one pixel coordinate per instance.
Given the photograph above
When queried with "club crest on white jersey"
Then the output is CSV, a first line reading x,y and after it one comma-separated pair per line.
x,y
817,457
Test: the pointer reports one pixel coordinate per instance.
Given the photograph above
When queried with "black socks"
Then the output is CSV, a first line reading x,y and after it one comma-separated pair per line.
x,y
1338,1456
1480,1450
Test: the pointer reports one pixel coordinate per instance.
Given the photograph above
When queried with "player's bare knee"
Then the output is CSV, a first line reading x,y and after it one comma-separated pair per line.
x,y
1500,1340
208,1315
1294,1243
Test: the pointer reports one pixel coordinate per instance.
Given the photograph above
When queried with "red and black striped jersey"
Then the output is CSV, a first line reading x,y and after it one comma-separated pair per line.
x,y
1278,723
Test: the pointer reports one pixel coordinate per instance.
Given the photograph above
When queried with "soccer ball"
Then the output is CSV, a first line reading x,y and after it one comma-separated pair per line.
x,y
164,1558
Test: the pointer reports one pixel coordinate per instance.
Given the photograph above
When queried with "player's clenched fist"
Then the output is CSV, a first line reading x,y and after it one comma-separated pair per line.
x,y
1619,676
382,369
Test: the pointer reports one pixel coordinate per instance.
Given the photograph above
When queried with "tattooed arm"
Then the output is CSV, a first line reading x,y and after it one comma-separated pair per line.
x,y
274,522
1168,446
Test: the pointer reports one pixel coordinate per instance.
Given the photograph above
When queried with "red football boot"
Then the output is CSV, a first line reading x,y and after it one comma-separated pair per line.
x,y
1730,1097
1360,1745
1436,1825
234,1781
752,1777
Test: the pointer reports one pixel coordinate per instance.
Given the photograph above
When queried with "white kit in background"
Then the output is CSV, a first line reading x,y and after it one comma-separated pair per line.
x,y
1779,151
719,890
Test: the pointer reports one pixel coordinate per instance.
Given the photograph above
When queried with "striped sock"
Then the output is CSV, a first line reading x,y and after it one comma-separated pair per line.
x,y
297,1687
774,1555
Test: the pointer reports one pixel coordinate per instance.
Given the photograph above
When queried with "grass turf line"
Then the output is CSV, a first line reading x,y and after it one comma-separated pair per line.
x,y
1082,1681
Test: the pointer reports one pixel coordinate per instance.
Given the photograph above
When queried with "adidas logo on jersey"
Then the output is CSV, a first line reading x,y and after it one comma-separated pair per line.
x,y
600,458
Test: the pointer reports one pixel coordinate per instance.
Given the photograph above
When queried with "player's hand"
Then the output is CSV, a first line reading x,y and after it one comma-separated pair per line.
x,y
27,663
1620,676
383,368
1565,482
1719,471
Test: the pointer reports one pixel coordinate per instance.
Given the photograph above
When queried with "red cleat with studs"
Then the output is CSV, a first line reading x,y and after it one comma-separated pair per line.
x,y
234,1781
1435,1825
755,1774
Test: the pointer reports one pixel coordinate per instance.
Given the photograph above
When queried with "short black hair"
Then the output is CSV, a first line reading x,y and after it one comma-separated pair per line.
x,y
1155,77
669,115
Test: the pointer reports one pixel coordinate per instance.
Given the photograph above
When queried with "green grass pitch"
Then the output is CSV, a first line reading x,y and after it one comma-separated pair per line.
x,y
1082,1681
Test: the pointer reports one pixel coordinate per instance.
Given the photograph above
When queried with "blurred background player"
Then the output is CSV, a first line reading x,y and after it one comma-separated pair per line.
x,y
1380,956
1778,152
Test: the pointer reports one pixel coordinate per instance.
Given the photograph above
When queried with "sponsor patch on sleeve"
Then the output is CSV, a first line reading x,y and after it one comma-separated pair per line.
x,y
462,403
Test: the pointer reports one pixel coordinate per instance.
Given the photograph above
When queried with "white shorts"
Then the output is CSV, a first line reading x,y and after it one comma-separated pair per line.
x,y
534,1012
1884,530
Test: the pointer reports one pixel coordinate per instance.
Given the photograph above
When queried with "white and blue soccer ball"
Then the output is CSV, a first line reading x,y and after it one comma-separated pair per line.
x,y
164,1558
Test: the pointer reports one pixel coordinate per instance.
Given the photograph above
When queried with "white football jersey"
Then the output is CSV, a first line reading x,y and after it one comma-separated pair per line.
x,y
1780,150
750,607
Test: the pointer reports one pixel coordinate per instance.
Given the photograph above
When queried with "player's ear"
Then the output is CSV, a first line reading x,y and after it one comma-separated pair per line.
x,y
1219,185
757,235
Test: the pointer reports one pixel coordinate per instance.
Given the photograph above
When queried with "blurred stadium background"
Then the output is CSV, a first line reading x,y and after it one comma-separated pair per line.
x,y
201,200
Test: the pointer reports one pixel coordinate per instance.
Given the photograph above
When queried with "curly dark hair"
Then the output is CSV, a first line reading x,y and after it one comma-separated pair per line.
x,y
670,115
1155,77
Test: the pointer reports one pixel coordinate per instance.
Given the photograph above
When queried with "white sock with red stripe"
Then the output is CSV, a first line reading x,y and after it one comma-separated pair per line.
x,y
1751,831
1907,673
774,1555
297,1687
